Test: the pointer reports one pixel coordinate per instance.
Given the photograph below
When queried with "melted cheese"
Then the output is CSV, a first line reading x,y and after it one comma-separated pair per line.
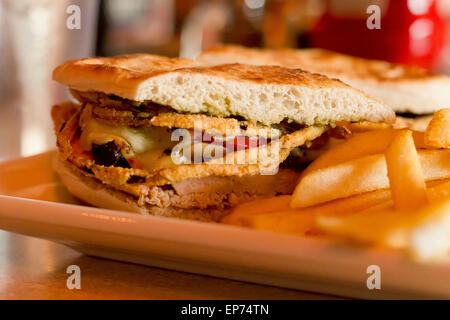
x,y
141,139
155,159
149,145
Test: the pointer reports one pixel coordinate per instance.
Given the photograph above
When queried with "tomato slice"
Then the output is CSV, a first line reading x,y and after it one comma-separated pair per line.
x,y
134,163
244,142
237,144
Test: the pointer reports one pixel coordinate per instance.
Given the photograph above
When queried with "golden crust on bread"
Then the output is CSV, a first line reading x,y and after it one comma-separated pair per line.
x,y
315,60
125,71
403,88
260,74
130,70
265,94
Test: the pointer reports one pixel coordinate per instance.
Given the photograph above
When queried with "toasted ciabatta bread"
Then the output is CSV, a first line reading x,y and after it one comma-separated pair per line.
x,y
260,94
403,88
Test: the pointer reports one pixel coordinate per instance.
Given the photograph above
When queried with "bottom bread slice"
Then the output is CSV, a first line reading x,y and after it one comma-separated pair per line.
x,y
93,192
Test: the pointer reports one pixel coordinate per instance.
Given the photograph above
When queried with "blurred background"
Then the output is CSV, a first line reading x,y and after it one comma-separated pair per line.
x,y
38,35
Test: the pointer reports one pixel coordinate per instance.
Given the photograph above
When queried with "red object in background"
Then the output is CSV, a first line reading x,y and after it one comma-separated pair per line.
x,y
412,32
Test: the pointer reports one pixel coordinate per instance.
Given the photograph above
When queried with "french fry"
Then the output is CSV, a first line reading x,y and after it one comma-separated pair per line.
x,y
419,137
388,205
363,126
416,124
440,190
437,133
359,145
405,175
372,227
301,221
361,175
435,164
287,222
375,187
424,233
260,206
341,181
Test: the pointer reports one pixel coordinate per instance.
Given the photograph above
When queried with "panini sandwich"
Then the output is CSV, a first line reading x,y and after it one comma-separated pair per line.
x,y
131,141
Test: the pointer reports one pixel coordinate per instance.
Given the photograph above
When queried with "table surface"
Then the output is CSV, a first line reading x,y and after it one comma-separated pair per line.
x,y
32,268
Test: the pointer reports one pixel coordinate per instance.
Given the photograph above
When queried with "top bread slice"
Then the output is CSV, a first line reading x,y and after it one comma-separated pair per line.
x,y
403,88
260,94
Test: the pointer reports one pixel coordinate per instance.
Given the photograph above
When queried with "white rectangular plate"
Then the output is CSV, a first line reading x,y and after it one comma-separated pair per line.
x,y
33,202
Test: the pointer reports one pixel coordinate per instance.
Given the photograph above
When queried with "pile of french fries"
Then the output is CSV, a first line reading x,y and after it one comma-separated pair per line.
x,y
383,187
